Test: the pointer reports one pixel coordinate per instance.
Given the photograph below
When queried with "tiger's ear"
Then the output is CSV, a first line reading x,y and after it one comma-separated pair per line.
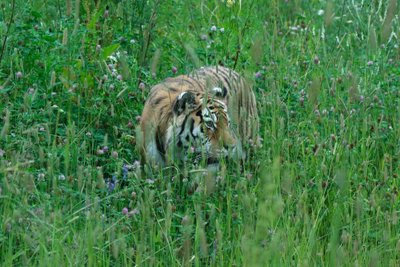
x,y
185,102
219,92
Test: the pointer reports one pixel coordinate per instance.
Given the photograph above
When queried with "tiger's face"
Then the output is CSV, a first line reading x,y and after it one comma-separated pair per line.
x,y
201,128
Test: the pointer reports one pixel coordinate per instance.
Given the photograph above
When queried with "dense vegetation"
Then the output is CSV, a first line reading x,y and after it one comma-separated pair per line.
x,y
323,190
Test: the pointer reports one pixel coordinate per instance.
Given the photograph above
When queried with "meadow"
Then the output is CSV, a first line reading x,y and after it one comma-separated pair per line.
x,y
323,190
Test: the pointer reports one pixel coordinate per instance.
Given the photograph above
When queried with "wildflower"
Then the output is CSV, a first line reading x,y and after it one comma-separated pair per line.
x,y
119,77
213,28
222,30
174,69
150,181
361,98
18,75
133,195
203,37
136,164
124,171
98,48
257,75
31,90
185,220
130,124
133,212
61,177
301,100
230,3
105,77
112,87
321,12
369,63
316,60
114,154
138,118
141,86
105,148
88,134
125,211
111,183
100,152
132,41
40,176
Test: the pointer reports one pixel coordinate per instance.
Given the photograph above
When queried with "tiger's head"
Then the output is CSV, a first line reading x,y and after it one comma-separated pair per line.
x,y
201,127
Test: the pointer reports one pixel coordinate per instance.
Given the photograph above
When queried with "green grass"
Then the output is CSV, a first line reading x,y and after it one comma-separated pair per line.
x,y
322,191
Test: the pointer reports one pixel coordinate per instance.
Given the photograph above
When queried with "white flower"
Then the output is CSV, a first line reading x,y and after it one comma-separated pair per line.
x,y
320,12
222,30
213,28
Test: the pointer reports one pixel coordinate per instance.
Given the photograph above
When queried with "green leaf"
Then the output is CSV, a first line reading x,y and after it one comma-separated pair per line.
x,y
107,51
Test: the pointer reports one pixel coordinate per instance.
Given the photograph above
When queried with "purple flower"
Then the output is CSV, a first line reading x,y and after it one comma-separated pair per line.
x,y
124,172
257,75
369,63
125,211
141,86
174,69
105,148
111,183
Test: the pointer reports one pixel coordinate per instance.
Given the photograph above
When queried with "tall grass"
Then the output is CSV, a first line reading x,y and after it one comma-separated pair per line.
x,y
323,190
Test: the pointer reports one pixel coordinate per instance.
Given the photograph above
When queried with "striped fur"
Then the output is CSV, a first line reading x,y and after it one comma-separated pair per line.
x,y
211,111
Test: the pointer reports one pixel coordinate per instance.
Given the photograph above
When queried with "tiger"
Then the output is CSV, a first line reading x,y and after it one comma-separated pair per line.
x,y
210,113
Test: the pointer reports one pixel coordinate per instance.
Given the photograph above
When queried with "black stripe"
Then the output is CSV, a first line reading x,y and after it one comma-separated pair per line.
x,y
172,89
158,100
192,128
201,87
159,143
183,126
